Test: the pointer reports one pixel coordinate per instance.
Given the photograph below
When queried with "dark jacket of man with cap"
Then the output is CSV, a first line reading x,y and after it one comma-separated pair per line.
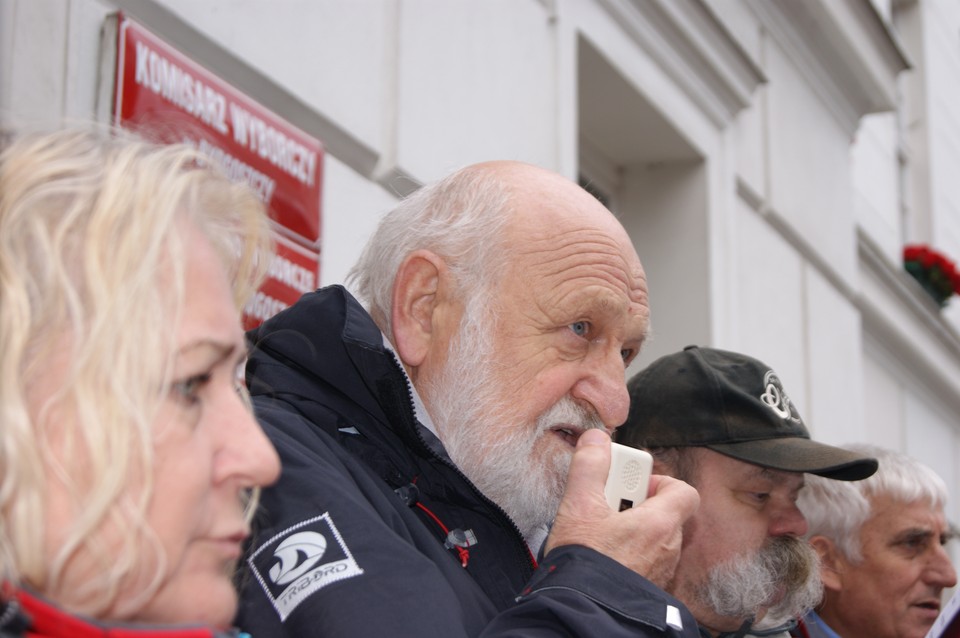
x,y
722,422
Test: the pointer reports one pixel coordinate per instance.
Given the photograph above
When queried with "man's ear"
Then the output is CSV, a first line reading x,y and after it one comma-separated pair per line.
x,y
831,562
416,294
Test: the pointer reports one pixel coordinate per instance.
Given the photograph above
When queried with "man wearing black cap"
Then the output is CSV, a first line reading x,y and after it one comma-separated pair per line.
x,y
722,422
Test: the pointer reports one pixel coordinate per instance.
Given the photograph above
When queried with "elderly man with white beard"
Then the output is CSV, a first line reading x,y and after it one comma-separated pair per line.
x,y
445,444
722,422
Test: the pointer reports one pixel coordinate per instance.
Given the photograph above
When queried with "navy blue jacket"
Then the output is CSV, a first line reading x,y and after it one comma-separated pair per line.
x,y
363,534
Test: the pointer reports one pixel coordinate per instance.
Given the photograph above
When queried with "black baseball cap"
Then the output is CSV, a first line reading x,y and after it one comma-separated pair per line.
x,y
732,404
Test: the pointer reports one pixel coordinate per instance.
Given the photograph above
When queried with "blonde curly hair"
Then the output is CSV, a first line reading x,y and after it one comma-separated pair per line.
x,y
91,228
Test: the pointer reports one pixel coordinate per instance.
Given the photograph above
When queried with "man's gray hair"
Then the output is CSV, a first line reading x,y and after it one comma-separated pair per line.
x,y
460,218
838,509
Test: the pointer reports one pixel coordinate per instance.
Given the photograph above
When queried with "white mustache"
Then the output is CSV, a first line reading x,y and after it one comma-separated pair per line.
x,y
567,412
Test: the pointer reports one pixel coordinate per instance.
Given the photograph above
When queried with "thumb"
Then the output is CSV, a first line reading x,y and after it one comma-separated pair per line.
x,y
589,466
583,502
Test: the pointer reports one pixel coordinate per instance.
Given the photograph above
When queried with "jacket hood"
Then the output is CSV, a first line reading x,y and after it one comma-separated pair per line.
x,y
296,350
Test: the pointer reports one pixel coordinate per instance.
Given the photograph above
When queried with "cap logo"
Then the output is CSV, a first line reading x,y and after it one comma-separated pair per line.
x,y
776,398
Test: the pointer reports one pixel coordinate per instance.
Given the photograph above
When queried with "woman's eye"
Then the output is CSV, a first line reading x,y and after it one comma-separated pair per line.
x,y
580,328
188,390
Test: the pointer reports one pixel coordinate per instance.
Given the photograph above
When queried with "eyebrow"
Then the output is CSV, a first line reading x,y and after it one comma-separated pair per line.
x,y
923,533
777,477
222,351
950,534
913,533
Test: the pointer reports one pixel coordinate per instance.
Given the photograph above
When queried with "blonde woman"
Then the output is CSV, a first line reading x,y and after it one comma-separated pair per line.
x,y
127,454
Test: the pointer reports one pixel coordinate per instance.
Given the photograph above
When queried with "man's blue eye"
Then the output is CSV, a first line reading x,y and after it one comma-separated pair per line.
x,y
580,328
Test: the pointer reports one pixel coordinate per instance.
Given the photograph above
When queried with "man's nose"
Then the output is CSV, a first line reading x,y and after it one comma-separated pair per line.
x,y
940,572
788,521
604,387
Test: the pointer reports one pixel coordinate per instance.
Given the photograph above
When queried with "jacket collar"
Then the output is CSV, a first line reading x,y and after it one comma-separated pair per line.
x,y
314,338
31,615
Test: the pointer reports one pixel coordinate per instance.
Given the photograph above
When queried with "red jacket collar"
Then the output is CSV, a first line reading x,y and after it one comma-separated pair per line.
x,y
46,620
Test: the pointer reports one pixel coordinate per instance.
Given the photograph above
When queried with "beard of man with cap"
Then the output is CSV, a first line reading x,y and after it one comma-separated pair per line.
x,y
722,422
741,587
743,564
765,588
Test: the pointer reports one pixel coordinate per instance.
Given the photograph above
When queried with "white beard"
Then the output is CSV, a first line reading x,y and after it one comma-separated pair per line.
x,y
483,435
748,585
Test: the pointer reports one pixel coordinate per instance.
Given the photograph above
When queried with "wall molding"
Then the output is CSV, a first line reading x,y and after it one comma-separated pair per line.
x,y
843,48
695,49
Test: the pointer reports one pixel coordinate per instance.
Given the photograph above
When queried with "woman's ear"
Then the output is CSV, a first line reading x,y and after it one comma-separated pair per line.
x,y
832,562
416,294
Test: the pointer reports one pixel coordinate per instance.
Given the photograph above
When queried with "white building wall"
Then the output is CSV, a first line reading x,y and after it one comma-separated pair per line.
x,y
877,182
352,206
771,312
905,166
737,140
884,412
491,94
337,57
834,352
809,172
942,59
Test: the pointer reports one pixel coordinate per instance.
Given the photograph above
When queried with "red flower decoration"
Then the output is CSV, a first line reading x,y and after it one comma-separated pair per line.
x,y
935,272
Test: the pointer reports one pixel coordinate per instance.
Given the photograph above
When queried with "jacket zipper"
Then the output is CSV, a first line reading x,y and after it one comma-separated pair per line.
x,y
529,561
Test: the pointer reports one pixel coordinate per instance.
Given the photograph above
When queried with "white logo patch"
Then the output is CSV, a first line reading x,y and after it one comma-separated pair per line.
x,y
310,545
300,561
776,398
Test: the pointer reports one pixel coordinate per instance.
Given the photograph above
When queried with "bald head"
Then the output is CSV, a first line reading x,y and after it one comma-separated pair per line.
x,y
558,229
539,197
467,217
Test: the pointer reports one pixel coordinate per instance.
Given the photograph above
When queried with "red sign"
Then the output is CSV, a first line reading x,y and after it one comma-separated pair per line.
x,y
293,272
160,90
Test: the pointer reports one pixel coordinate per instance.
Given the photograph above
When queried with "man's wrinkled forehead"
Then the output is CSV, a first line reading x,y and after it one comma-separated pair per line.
x,y
577,222
552,220
638,291
569,250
